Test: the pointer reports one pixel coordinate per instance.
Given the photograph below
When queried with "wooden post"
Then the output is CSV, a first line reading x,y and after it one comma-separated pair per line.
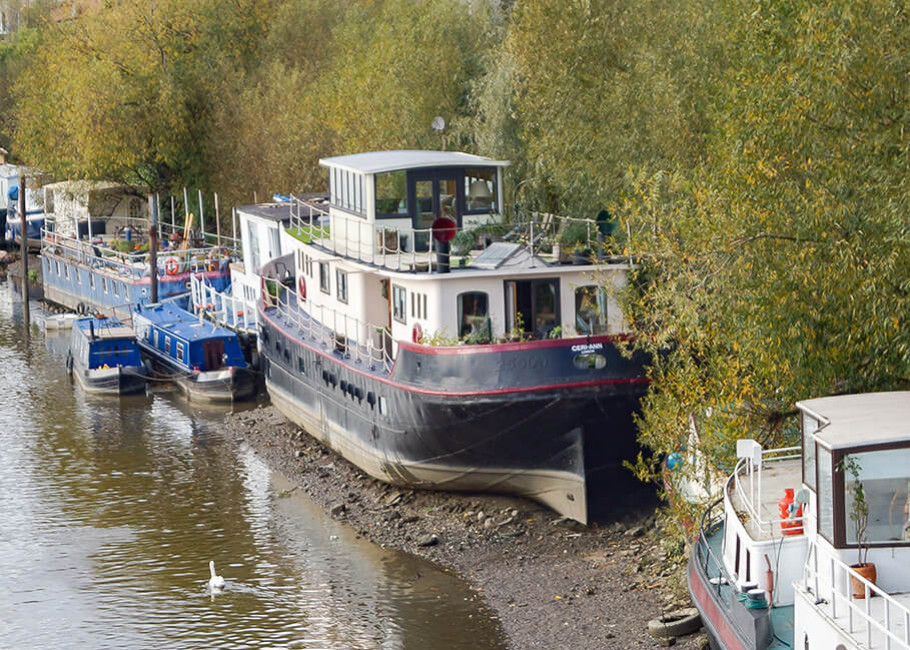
x,y
153,248
23,238
217,221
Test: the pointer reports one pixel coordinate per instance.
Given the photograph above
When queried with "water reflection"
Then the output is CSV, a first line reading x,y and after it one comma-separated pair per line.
x,y
112,509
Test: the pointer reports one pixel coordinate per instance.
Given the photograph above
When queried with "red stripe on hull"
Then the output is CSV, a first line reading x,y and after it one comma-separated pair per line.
x,y
711,614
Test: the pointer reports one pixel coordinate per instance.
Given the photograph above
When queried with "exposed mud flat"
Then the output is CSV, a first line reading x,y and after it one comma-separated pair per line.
x,y
551,583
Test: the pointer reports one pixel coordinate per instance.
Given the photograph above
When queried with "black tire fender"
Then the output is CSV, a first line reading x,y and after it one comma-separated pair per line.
x,y
678,622
69,362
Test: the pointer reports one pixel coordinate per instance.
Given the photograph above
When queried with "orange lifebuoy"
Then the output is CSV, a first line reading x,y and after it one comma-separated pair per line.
x,y
301,286
416,333
171,266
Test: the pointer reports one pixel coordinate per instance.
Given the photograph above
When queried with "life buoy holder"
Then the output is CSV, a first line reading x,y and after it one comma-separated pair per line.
x,y
416,333
301,288
171,266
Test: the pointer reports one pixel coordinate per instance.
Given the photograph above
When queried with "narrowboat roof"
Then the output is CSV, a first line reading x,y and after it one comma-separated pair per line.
x,y
861,420
376,162
281,210
105,328
181,323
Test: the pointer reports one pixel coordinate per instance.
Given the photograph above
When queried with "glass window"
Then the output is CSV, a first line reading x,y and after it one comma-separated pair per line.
x,y
341,285
474,316
810,426
180,352
881,481
254,247
324,280
167,344
391,193
480,190
825,495
104,284
545,308
591,310
399,303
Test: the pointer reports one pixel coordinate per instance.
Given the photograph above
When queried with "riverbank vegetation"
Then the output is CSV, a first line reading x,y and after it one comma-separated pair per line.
x,y
755,154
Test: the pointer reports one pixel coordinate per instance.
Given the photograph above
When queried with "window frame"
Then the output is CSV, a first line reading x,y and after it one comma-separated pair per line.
x,y
341,285
400,307
325,279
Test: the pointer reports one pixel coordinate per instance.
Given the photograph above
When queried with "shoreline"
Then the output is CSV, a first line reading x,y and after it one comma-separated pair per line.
x,y
550,582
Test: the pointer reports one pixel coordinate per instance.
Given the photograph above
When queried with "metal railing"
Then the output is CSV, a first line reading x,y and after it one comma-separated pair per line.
x,y
415,249
830,580
719,579
360,342
751,494
222,308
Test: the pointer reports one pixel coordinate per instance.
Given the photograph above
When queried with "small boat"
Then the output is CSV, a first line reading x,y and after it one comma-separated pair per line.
x,y
60,321
204,360
104,357
783,558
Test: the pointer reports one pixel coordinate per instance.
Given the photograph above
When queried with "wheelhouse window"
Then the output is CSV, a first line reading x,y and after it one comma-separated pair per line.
x,y
881,479
392,194
480,190
324,280
825,495
810,426
591,310
341,285
474,316
399,304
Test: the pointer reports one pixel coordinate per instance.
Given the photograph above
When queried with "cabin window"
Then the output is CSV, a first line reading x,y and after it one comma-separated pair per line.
x,y
57,264
825,494
104,284
66,271
480,190
324,281
532,306
78,275
180,352
91,279
383,407
391,194
884,477
474,316
116,288
590,310
399,303
301,368
167,344
810,426
254,246
341,285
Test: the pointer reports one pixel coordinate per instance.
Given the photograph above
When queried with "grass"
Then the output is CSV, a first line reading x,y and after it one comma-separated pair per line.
x,y
307,233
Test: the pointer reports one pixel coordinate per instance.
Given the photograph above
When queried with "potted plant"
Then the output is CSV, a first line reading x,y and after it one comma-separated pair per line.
x,y
859,515
573,243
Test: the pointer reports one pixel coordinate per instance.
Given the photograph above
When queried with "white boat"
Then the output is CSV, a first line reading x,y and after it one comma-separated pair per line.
x,y
60,321
777,561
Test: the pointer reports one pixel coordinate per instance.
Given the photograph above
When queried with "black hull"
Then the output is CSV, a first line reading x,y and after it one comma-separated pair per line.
x,y
236,386
521,432
119,381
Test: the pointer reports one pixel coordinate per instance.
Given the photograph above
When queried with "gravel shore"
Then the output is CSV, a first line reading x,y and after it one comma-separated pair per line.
x,y
551,583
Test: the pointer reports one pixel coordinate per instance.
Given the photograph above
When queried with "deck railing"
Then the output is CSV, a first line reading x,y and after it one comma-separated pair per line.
x,y
750,490
415,249
356,340
222,308
875,621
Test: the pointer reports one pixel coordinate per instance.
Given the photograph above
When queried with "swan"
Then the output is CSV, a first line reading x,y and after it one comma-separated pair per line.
x,y
216,582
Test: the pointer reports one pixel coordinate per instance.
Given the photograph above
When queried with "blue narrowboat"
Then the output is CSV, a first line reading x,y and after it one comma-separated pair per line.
x,y
205,361
104,357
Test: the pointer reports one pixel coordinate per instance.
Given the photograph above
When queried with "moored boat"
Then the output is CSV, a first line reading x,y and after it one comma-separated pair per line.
x,y
104,357
434,346
781,558
205,361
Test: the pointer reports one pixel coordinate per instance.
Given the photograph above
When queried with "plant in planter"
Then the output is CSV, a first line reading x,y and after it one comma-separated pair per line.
x,y
859,515
574,242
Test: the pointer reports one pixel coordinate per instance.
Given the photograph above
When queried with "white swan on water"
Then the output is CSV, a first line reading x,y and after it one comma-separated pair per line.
x,y
216,582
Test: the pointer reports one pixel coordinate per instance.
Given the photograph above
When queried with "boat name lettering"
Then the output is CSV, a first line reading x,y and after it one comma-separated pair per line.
x,y
523,362
587,347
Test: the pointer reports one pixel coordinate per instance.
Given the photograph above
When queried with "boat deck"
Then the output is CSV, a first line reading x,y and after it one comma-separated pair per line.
x,y
764,493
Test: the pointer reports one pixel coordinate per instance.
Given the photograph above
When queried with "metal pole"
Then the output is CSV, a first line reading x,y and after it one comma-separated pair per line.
x,y
234,225
186,204
173,220
201,218
23,238
153,247
217,222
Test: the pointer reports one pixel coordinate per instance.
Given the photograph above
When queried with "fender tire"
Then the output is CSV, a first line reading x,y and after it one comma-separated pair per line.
x,y
679,622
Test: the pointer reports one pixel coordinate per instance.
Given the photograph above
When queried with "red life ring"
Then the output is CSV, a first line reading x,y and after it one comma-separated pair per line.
x,y
171,266
301,286
416,333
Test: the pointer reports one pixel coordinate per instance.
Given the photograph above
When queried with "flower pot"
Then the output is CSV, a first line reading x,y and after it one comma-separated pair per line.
x,y
867,571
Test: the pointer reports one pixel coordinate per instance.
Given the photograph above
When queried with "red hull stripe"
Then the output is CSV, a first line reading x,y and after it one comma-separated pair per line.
x,y
712,614
428,391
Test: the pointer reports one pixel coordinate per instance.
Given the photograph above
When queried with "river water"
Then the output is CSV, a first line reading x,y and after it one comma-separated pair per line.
x,y
110,511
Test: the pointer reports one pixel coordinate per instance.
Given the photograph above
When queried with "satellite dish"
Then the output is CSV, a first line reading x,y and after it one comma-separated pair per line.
x,y
439,123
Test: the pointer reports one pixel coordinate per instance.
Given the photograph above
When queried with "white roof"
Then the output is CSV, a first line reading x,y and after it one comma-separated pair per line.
x,y
861,420
376,162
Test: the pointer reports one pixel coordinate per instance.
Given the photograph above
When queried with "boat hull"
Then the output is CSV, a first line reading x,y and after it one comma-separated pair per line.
x,y
231,385
511,437
110,381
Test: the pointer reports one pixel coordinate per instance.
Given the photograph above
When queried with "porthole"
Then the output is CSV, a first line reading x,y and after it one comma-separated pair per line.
x,y
383,406
589,361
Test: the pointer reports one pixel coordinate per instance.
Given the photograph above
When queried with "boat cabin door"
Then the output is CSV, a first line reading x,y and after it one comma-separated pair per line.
x,y
435,194
213,353
532,306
